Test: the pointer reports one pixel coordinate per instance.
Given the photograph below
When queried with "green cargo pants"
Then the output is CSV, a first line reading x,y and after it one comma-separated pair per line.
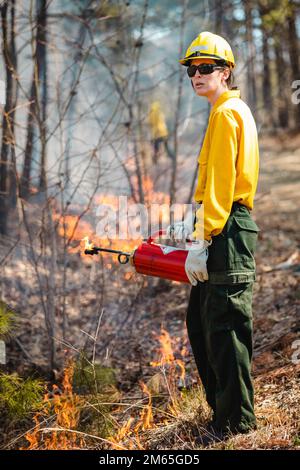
x,y
219,323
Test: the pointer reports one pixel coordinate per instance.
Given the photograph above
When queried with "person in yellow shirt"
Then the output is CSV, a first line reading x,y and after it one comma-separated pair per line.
x,y
220,264
159,131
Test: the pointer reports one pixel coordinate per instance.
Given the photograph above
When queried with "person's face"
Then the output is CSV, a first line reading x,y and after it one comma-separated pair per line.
x,y
208,85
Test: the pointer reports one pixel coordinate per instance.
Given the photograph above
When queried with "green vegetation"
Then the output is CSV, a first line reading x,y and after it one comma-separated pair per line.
x,y
19,397
7,319
98,384
92,378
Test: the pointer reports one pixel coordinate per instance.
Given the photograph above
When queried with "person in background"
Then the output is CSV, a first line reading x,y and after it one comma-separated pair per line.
x,y
159,131
221,265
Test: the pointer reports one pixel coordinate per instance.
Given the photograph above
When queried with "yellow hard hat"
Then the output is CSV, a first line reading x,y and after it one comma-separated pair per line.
x,y
209,46
155,105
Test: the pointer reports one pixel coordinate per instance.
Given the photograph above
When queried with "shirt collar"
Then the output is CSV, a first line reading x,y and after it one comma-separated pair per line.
x,y
226,96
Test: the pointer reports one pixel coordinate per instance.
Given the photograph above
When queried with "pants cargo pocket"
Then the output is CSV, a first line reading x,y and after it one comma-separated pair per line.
x,y
231,255
242,238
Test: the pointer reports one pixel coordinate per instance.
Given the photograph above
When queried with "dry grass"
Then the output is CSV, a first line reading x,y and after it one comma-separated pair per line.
x,y
277,410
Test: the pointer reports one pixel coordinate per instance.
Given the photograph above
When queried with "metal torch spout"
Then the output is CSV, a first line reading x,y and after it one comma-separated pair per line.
x,y
123,257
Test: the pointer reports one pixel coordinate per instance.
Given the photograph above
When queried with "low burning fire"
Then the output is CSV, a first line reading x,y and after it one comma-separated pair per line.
x,y
131,431
168,357
56,425
61,414
146,420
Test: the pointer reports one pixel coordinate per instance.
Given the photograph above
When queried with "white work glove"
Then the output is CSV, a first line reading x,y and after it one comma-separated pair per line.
x,y
181,230
195,263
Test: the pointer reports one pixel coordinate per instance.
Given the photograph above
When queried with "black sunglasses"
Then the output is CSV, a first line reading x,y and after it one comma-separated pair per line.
x,y
203,69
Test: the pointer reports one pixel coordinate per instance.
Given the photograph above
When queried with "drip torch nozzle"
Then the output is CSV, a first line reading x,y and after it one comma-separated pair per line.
x,y
91,251
123,257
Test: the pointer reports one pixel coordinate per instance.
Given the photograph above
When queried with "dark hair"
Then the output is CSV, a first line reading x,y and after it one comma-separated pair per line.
x,y
230,82
230,79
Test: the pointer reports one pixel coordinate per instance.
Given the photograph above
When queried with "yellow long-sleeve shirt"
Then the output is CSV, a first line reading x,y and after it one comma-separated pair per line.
x,y
228,164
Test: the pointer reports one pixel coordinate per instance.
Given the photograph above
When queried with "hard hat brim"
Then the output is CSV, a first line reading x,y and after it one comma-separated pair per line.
x,y
186,60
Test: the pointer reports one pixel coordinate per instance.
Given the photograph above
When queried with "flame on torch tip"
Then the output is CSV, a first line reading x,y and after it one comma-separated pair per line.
x,y
87,244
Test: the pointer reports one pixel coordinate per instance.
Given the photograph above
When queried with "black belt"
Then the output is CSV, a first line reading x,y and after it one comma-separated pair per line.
x,y
237,205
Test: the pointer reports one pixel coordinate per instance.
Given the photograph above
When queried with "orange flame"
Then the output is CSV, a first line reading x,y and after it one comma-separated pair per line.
x,y
65,405
122,433
75,229
166,350
71,227
146,420
151,196
168,358
182,369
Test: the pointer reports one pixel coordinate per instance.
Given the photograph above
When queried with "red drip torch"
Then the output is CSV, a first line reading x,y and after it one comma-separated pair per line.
x,y
152,259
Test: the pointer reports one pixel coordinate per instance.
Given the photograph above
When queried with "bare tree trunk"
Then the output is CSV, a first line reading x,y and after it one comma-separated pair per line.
x,y
251,57
52,267
172,190
13,167
141,139
8,50
26,173
5,144
282,100
39,71
293,48
293,41
41,49
132,114
266,82
218,15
